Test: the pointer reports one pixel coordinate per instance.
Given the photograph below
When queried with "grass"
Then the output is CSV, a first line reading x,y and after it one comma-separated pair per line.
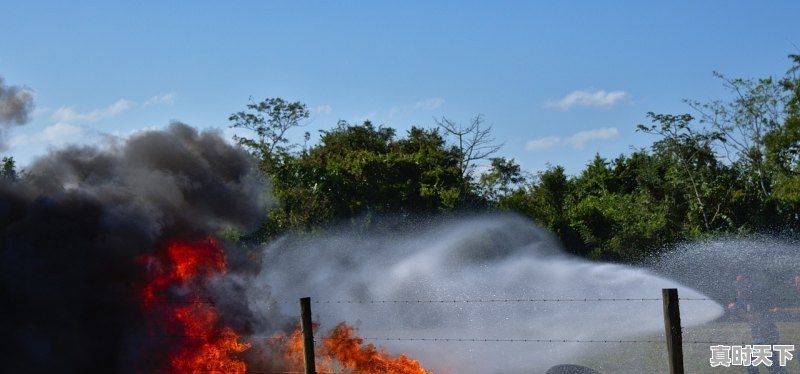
x,y
652,357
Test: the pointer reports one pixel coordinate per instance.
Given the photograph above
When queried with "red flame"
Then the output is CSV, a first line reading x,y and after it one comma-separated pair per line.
x,y
173,300
342,344
342,349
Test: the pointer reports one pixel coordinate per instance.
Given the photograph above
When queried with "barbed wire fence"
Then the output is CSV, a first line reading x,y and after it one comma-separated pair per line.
x,y
673,330
672,326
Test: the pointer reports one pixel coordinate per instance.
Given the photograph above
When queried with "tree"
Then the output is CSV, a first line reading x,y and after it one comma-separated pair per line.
x,y
473,142
695,170
551,196
270,120
791,83
356,170
783,152
503,177
783,143
744,123
8,171
546,199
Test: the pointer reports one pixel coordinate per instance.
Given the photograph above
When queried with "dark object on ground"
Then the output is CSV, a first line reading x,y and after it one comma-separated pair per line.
x,y
571,369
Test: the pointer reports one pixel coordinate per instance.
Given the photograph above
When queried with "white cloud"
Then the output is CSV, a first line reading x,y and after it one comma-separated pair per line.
x,y
59,132
577,140
167,99
544,143
68,114
395,111
41,111
19,140
589,98
429,104
323,109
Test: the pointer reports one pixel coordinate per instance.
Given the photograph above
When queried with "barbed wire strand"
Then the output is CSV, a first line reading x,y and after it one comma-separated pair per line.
x,y
478,340
509,300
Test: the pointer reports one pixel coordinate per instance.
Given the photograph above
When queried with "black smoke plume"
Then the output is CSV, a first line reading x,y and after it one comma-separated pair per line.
x,y
72,228
16,104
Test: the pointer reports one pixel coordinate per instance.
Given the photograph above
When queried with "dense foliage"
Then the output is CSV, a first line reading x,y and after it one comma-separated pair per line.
x,y
359,170
733,169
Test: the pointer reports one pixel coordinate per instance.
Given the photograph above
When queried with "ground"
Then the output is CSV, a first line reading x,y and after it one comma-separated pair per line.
x,y
652,357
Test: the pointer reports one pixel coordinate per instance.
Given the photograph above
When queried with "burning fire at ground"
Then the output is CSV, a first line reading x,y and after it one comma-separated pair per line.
x,y
343,345
177,310
173,300
342,351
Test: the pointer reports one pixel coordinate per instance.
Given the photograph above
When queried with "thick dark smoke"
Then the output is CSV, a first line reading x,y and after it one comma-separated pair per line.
x,y
72,229
16,104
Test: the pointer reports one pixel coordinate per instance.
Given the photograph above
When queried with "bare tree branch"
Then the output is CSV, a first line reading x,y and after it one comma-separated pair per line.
x,y
474,142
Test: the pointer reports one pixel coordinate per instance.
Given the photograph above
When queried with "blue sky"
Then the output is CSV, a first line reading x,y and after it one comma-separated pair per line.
x,y
559,81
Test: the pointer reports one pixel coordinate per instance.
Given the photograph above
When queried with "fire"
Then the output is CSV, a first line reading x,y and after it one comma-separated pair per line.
x,y
292,347
173,300
343,345
342,348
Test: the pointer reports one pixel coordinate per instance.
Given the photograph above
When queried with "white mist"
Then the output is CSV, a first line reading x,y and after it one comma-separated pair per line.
x,y
486,257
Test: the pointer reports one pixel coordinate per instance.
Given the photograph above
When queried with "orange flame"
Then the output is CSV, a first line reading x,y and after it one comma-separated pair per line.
x,y
343,345
343,349
203,345
292,347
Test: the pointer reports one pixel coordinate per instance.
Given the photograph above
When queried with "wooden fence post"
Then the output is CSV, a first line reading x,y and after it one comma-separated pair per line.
x,y
308,335
672,329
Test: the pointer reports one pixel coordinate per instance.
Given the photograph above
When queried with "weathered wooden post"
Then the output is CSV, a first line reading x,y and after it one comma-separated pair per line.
x,y
672,330
308,335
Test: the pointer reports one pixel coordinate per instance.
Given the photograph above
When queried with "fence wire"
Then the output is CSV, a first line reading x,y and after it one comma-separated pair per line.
x,y
471,340
510,300
476,301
